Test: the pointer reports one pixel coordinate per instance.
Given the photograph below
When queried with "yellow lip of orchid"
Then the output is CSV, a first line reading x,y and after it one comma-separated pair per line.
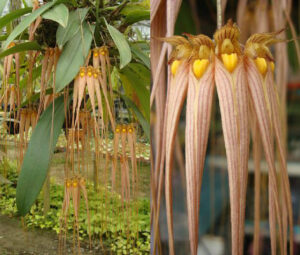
x,y
75,183
201,53
89,71
118,129
103,51
261,65
257,48
95,73
174,66
82,71
96,52
68,183
199,67
230,61
228,46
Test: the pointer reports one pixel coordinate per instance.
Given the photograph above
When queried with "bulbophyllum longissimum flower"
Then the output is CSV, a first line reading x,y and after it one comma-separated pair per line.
x,y
243,77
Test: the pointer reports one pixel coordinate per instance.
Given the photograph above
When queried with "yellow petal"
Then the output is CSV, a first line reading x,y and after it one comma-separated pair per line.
x,y
261,65
174,66
199,67
230,61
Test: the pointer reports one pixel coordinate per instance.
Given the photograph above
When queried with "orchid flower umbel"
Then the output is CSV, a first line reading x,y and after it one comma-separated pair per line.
x,y
243,77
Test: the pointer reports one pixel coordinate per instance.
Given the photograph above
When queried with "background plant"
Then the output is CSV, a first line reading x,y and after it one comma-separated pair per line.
x,y
44,46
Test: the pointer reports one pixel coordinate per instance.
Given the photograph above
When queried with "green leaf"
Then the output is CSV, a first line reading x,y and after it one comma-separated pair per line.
x,y
25,3
2,6
137,51
63,35
122,45
21,47
136,16
136,79
13,15
73,57
144,123
24,37
37,158
59,14
135,12
142,73
27,21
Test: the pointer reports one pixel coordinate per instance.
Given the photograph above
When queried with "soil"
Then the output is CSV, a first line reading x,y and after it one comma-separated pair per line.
x,y
14,239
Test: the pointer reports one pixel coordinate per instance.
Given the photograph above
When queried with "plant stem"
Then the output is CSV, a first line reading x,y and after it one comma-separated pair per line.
x,y
219,13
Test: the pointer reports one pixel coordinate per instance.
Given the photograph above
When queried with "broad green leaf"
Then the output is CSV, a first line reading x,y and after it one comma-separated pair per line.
x,y
73,57
144,46
26,22
115,78
144,123
136,16
136,50
142,72
122,45
138,33
75,20
24,37
59,14
21,47
2,6
38,155
13,15
135,12
136,79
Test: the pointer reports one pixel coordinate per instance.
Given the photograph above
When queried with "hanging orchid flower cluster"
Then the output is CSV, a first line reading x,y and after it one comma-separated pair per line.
x,y
49,63
93,81
73,188
127,135
243,77
101,60
28,118
11,93
90,78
